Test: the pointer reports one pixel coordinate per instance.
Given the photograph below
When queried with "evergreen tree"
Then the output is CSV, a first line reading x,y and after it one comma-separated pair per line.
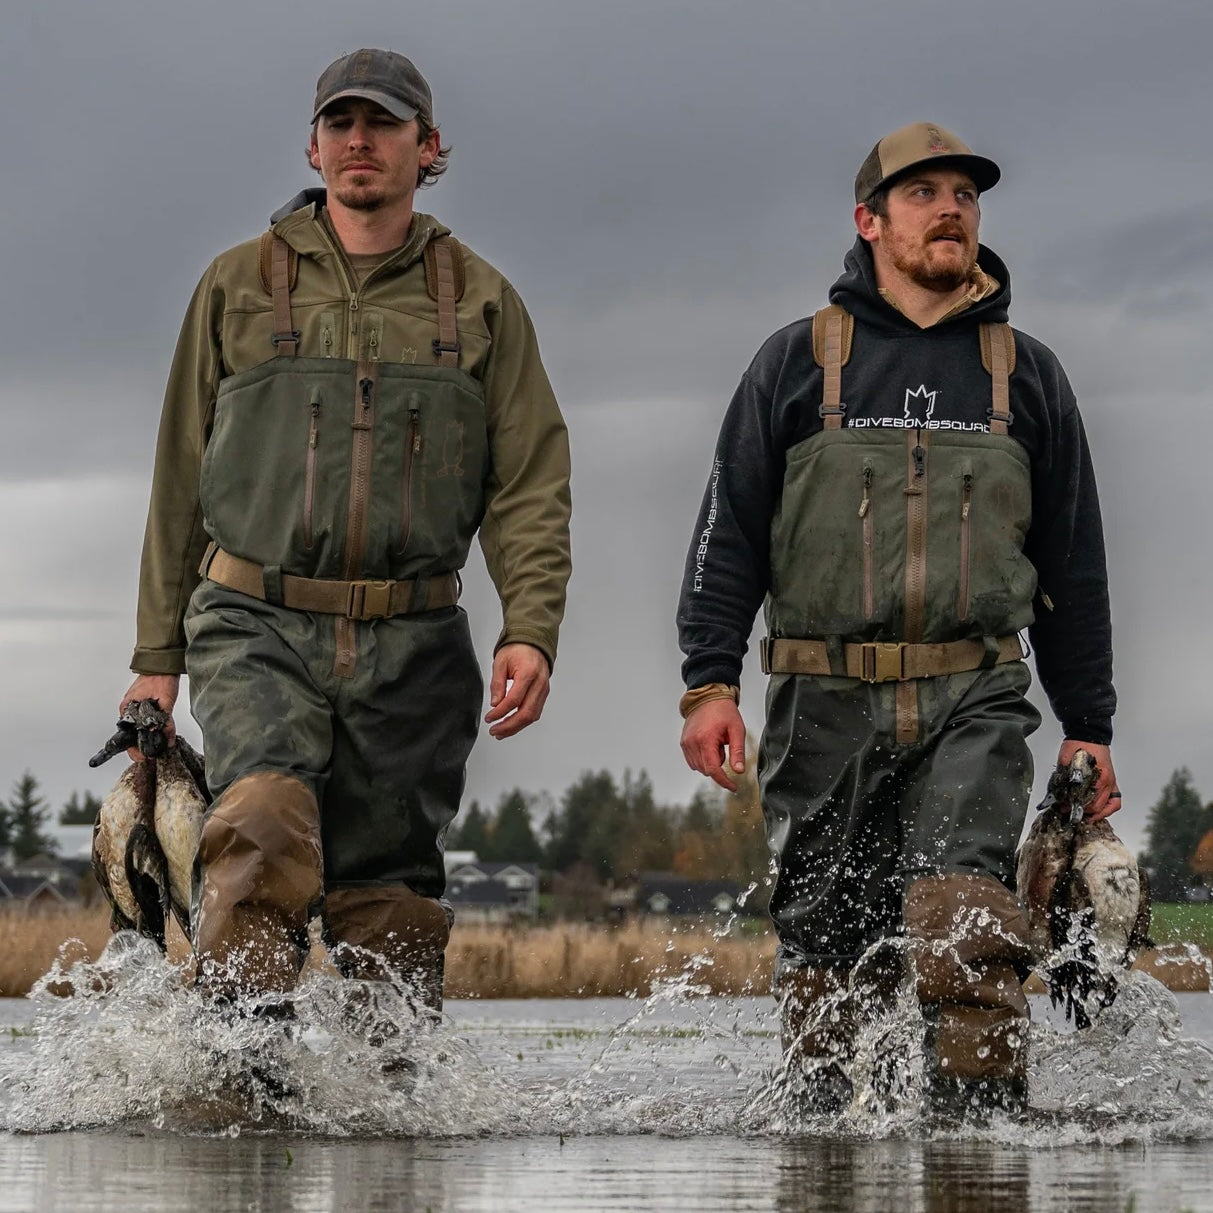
x,y
1176,824
77,812
644,838
470,831
583,829
513,835
27,814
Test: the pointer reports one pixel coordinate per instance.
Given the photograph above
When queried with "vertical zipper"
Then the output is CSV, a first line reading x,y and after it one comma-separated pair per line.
x,y
309,475
412,448
916,537
865,513
966,503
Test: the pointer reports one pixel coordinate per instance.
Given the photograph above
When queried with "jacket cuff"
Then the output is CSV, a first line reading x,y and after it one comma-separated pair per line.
x,y
1091,728
158,661
545,642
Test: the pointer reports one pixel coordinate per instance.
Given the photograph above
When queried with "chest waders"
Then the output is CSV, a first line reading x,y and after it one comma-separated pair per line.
x,y
330,669
894,764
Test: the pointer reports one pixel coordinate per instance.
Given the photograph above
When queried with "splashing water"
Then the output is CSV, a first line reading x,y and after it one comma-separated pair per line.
x,y
134,1045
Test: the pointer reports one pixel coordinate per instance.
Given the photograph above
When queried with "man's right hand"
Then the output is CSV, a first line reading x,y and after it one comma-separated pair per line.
x,y
713,736
164,689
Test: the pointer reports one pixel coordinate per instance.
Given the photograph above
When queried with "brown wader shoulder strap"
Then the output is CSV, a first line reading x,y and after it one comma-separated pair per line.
x,y
833,328
278,268
444,279
998,357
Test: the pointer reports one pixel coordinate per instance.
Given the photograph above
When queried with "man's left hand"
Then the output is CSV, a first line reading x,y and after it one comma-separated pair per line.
x,y
1106,800
518,689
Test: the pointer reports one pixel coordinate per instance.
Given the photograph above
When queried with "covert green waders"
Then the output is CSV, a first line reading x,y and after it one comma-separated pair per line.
x,y
330,670
894,765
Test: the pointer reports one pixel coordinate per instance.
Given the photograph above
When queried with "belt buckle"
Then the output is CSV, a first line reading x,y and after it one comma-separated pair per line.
x,y
882,661
369,600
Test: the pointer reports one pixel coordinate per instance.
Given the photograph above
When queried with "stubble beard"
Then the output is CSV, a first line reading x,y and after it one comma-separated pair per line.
x,y
356,196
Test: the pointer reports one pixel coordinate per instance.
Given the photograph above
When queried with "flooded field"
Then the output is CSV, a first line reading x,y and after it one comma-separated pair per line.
x,y
132,1097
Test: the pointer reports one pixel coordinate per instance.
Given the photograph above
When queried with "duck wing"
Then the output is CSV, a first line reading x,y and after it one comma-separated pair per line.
x,y
180,807
147,875
120,811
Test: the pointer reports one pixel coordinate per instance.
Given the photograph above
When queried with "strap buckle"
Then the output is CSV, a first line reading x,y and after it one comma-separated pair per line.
x,y
882,662
293,335
369,600
444,347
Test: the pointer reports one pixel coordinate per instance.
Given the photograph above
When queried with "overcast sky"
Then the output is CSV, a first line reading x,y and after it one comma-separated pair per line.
x,y
665,182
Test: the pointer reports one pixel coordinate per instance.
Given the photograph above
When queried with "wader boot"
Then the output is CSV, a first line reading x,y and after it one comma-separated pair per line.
x,y
968,940
391,942
258,881
816,1022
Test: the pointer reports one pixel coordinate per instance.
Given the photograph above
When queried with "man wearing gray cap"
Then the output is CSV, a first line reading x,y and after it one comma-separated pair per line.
x,y
354,396
906,482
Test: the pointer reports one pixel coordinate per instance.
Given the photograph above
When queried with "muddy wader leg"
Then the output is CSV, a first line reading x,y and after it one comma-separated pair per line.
x,y
258,881
967,938
388,933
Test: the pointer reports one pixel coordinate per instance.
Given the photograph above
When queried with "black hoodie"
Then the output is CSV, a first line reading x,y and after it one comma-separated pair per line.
x,y
895,369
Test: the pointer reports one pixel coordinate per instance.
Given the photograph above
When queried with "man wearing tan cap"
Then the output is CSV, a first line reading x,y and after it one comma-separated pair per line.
x,y
905,481
354,397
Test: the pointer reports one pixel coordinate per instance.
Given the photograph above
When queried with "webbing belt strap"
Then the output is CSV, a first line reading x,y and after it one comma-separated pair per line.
x,y
286,336
446,291
888,662
352,599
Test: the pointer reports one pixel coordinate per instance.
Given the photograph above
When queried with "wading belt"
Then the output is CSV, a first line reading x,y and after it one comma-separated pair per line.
x,y
888,662
352,599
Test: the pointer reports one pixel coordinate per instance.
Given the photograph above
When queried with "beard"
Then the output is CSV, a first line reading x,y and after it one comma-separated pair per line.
x,y
917,263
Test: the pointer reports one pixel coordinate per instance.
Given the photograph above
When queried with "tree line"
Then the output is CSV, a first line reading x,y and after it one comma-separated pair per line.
x,y
603,830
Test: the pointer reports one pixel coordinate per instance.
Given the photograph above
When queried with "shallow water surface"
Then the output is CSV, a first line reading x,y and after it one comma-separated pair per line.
x,y
132,1097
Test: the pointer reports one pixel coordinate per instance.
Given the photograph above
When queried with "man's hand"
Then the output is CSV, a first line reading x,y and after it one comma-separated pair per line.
x,y
1106,800
518,689
164,689
710,730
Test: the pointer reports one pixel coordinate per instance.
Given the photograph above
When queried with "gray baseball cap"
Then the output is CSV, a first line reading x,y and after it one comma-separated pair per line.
x,y
915,145
384,77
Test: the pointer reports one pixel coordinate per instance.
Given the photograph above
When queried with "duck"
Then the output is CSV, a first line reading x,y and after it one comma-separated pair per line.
x,y
147,829
1086,901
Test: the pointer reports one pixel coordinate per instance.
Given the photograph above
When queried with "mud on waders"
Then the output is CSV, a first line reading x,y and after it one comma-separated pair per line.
x,y
333,678
868,637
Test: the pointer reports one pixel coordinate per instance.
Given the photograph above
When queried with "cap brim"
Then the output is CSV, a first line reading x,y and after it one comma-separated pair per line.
x,y
985,173
393,105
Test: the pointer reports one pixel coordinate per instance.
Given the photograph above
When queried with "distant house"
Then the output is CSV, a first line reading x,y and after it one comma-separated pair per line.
x,y
667,895
28,892
491,892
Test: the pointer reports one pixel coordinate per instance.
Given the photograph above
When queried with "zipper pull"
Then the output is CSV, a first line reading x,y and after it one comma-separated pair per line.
x,y
920,461
311,438
415,420
867,492
366,385
968,489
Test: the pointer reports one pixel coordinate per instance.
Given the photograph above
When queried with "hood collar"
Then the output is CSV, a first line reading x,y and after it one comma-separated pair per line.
x,y
298,223
856,290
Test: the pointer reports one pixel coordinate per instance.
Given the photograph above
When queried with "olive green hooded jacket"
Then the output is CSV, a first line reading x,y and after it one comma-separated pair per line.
x,y
524,532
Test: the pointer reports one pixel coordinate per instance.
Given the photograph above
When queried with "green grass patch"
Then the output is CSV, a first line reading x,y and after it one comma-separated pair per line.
x,y
1182,922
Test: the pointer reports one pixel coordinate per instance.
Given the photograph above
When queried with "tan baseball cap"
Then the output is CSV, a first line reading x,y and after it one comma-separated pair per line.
x,y
916,144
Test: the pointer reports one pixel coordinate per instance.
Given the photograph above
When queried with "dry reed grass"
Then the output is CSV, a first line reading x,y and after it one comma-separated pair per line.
x,y
560,960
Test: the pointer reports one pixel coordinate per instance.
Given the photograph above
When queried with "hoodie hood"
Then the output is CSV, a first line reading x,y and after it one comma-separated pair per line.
x,y
857,292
